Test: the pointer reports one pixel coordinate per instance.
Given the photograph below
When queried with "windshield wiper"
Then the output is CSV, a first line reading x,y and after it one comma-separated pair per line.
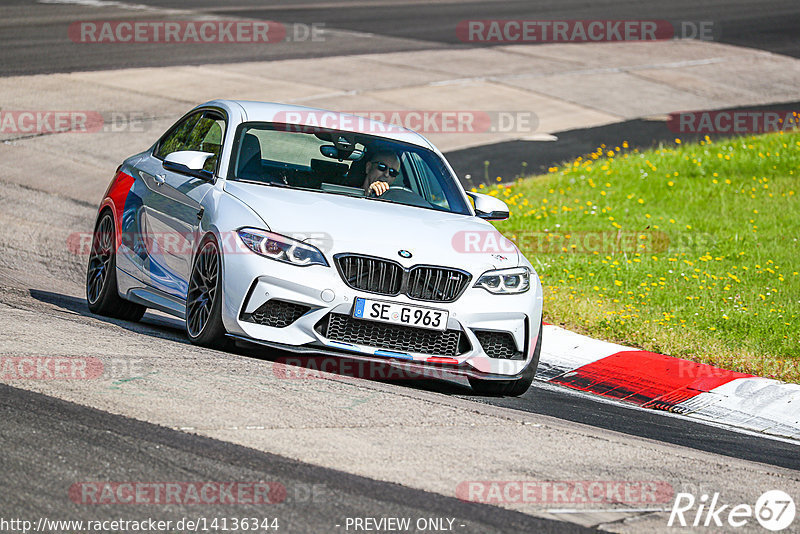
x,y
273,184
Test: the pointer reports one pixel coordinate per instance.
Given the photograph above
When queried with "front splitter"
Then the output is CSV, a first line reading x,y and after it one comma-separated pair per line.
x,y
426,370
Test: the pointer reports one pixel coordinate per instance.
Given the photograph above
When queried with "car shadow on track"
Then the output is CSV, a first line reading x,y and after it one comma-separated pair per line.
x,y
171,328
153,323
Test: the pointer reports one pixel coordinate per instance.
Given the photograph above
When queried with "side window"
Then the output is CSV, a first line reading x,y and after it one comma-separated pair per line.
x,y
206,136
202,131
431,188
175,140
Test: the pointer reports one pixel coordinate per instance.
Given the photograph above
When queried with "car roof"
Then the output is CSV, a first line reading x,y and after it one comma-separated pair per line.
x,y
316,117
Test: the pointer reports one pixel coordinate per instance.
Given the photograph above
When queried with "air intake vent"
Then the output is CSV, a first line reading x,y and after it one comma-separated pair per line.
x,y
338,327
499,345
276,313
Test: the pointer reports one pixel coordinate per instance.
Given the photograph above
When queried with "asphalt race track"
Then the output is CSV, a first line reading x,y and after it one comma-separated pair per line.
x,y
70,441
176,412
35,41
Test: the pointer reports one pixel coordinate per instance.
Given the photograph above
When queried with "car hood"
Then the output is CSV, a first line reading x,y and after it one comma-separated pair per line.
x,y
338,223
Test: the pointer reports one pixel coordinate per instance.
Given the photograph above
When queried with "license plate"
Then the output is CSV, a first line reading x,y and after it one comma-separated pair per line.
x,y
402,314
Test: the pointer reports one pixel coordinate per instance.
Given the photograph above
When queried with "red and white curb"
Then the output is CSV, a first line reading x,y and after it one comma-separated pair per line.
x,y
662,382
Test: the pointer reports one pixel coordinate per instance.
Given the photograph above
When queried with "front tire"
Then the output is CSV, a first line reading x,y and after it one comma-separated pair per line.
x,y
204,298
102,293
510,388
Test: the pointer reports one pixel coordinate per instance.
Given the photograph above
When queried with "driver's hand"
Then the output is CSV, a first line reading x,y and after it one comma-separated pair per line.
x,y
378,188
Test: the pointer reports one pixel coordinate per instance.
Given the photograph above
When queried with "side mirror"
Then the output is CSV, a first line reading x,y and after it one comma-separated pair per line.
x,y
488,207
189,162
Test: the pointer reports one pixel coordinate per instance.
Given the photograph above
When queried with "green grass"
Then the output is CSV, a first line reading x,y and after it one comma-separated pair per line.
x,y
690,250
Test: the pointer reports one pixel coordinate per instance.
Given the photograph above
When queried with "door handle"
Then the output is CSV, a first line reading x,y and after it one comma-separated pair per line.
x,y
160,178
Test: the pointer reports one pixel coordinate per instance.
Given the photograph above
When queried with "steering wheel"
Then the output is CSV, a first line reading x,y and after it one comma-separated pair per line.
x,y
398,193
404,195
393,191
400,188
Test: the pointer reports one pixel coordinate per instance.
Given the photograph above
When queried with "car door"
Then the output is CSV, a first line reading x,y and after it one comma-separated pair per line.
x,y
172,201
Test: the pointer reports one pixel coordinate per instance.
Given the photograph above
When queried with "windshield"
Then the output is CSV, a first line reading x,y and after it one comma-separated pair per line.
x,y
370,167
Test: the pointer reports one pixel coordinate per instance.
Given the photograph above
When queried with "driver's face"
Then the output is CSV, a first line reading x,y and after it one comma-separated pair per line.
x,y
389,165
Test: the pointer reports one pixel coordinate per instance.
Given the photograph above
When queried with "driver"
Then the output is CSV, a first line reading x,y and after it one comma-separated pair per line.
x,y
381,171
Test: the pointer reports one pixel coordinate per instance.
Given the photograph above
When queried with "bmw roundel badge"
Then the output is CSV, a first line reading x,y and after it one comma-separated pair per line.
x,y
404,254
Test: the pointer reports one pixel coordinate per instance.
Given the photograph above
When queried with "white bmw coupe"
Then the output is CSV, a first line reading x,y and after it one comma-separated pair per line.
x,y
319,232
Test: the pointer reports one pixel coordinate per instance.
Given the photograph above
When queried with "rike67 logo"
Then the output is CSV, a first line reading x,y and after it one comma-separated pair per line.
x,y
774,510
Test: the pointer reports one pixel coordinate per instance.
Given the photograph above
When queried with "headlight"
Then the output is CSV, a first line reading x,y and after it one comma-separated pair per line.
x,y
506,281
281,248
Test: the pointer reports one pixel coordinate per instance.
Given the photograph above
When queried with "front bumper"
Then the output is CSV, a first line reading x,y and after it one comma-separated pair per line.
x,y
246,288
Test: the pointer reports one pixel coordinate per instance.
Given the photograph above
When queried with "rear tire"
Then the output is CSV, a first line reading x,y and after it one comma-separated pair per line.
x,y
510,388
204,298
102,293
